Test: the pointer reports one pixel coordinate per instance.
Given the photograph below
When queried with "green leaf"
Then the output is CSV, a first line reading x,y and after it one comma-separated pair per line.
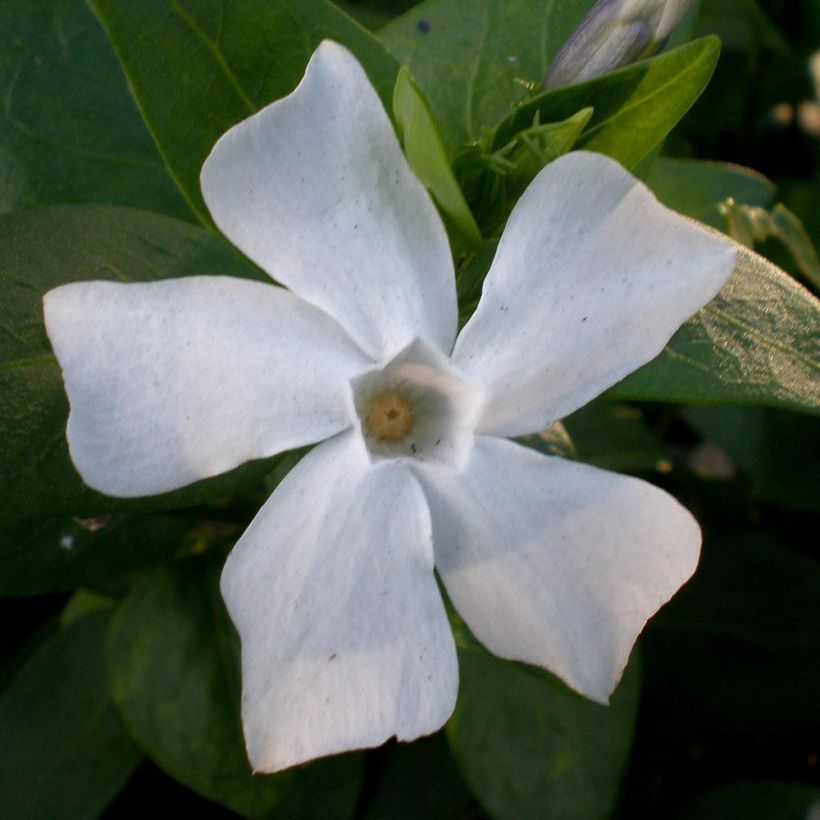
x,y
755,343
63,749
494,181
531,749
697,188
174,664
775,449
43,555
69,130
738,646
43,248
427,155
635,107
614,436
467,56
419,781
201,66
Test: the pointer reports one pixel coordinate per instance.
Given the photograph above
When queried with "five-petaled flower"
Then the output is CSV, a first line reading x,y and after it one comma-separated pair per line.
x,y
345,639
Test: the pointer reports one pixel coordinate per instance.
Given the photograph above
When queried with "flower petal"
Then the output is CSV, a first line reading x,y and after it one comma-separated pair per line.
x,y
556,563
315,189
591,278
345,641
174,381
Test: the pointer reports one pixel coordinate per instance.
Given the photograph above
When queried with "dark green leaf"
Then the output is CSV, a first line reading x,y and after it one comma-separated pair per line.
x,y
174,663
201,66
419,781
530,748
63,751
427,155
696,188
42,555
756,343
739,645
635,107
69,130
614,436
42,248
467,55
755,801
779,452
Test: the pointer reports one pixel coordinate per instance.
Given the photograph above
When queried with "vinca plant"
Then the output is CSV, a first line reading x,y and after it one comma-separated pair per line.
x,y
409,410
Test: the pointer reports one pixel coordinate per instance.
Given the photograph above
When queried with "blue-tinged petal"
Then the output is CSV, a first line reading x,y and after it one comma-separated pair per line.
x,y
591,278
556,563
315,189
345,641
173,381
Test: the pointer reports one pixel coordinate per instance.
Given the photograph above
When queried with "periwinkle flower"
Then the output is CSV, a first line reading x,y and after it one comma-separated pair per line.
x,y
345,639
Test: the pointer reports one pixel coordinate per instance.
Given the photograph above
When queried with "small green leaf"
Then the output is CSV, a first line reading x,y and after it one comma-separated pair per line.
x,y
698,188
46,247
494,181
635,107
200,67
755,343
531,749
174,664
427,155
69,129
468,56
63,749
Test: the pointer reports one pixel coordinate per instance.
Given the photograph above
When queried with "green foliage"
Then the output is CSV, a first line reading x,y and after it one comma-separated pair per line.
x,y
427,155
756,342
201,67
69,131
63,749
481,47
85,242
174,664
533,750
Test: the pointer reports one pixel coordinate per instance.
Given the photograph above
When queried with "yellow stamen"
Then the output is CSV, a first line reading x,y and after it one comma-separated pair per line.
x,y
389,417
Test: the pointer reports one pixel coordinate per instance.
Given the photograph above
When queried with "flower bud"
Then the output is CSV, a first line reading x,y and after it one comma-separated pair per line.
x,y
613,34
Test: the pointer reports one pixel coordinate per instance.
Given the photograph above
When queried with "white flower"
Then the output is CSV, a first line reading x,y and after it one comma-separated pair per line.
x,y
345,640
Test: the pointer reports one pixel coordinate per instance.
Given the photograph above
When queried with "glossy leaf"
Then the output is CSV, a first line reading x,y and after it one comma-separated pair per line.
x,y
427,155
174,663
635,107
69,129
201,66
468,54
530,748
756,342
42,248
697,188
63,750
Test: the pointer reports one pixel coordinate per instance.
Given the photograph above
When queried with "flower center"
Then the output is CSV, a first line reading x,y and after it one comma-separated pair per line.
x,y
416,406
389,417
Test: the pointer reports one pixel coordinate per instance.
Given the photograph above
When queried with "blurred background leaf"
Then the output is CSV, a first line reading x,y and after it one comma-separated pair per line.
x,y
174,662
63,750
